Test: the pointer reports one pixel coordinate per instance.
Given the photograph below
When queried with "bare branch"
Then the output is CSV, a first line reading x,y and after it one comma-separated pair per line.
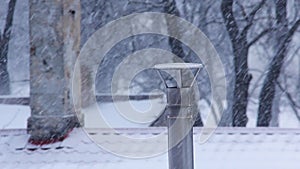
x,y
290,59
254,11
289,97
288,37
260,35
214,22
220,20
243,11
291,32
251,17
230,22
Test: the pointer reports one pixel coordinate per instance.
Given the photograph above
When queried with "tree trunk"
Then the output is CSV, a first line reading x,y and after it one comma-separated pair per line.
x,y
274,122
242,77
242,82
267,93
54,47
4,42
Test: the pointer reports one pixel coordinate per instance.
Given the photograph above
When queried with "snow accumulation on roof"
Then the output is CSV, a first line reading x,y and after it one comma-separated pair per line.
x,y
227,148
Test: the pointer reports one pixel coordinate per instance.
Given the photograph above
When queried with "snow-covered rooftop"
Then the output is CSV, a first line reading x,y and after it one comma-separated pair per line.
x,y
247,148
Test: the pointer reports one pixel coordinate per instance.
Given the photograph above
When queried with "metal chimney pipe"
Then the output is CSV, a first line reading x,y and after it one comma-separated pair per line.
x,y
181,112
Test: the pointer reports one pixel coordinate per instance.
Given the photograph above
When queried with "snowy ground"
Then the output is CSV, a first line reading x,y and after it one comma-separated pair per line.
x,y
110,113
15,116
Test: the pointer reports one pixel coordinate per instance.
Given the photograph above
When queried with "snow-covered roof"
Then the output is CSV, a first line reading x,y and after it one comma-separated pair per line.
x,y
258,148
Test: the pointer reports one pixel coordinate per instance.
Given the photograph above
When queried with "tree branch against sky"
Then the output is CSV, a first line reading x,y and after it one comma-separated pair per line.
x,y
285,35
240,47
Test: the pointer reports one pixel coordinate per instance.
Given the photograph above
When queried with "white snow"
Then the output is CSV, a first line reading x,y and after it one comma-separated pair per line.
x,y
13,116
122,118
287,118
227,148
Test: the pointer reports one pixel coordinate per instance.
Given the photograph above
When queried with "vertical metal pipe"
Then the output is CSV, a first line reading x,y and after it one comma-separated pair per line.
x,y
181,113
180,130
180,141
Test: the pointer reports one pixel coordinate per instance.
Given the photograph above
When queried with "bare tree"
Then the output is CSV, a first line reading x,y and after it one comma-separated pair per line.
x,y
240,45
284,34
4,42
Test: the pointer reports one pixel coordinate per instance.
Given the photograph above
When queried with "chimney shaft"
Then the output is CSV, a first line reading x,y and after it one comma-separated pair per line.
x,y
181,112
